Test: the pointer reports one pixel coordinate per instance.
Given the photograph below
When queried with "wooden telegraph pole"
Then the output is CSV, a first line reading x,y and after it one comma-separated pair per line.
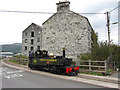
x,y
108,26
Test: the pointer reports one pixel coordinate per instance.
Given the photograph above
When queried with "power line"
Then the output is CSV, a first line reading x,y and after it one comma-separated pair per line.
x,y
114,9
91,13
9,11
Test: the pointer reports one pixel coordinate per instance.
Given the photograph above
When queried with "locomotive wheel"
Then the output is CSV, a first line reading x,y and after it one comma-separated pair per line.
x,y
53,69
32,67
58,71
70,74
75,73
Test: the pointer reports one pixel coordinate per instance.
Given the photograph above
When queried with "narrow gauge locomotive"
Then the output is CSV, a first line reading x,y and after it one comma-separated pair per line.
x,y
41,60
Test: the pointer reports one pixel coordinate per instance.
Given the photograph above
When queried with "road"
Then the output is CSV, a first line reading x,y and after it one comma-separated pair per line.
x,y
13,78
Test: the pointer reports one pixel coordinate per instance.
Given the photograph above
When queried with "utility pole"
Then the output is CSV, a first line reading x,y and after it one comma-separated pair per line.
x,y
108,26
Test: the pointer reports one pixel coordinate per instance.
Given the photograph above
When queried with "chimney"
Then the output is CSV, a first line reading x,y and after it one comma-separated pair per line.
x,y
63,5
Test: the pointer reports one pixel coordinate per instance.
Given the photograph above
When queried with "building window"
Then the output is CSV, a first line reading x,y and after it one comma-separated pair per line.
x,y
39,33
32,34
25,34
38,47
38,39
32,41
31,48
25,47
25,40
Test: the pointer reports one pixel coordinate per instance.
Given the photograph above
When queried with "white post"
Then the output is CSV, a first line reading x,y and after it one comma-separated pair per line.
x,y
89,65
105,66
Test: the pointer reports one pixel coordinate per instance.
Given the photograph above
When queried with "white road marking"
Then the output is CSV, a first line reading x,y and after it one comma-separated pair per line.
x,y
2,70
7,77
10,74
13,75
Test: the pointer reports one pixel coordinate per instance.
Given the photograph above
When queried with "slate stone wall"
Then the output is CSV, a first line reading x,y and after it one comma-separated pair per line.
x,y
26,39
67,29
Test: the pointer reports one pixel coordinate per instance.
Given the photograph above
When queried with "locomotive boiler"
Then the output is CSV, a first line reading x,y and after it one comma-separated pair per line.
x,y
59,64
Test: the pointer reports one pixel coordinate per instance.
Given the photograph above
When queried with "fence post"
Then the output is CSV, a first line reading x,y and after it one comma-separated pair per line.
x,y
89,65
114,65
105,65
79,62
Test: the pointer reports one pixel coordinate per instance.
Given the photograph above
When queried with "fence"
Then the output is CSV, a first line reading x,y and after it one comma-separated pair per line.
x,y
93,66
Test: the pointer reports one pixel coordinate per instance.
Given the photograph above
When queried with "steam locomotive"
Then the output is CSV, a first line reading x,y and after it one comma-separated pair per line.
x,y
60,64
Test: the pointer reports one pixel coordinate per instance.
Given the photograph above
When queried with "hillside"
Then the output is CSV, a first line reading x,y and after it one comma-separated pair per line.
x,y
15,47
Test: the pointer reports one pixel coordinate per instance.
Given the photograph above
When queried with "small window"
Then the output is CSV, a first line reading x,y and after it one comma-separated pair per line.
x,y
38,47
32,41
25,40
25,34
31,48
39,33
32,34
25,47
38,39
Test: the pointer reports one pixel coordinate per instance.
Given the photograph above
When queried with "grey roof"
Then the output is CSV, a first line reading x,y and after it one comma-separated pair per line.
x,y
32,24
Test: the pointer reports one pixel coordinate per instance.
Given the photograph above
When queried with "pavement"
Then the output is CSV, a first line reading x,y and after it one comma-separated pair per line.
x,y
104,81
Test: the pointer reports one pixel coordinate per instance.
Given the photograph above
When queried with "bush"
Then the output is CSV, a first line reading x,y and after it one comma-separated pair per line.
x,y
21,56
98,52
87,56
115,49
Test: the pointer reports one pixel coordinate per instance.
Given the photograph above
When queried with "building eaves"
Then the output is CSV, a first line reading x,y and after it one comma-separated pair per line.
x,y
49,18
83,17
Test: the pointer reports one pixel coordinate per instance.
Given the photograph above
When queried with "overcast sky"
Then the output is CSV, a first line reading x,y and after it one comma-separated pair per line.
x,y
12,24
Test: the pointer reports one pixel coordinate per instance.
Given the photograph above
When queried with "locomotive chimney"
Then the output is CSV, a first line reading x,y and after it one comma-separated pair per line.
x,y
63,52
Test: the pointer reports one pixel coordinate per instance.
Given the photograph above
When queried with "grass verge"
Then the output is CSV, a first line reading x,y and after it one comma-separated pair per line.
x,y
13,61
92,73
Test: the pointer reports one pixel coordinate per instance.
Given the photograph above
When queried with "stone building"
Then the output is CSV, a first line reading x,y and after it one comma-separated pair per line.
x,y
31,39
65,29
